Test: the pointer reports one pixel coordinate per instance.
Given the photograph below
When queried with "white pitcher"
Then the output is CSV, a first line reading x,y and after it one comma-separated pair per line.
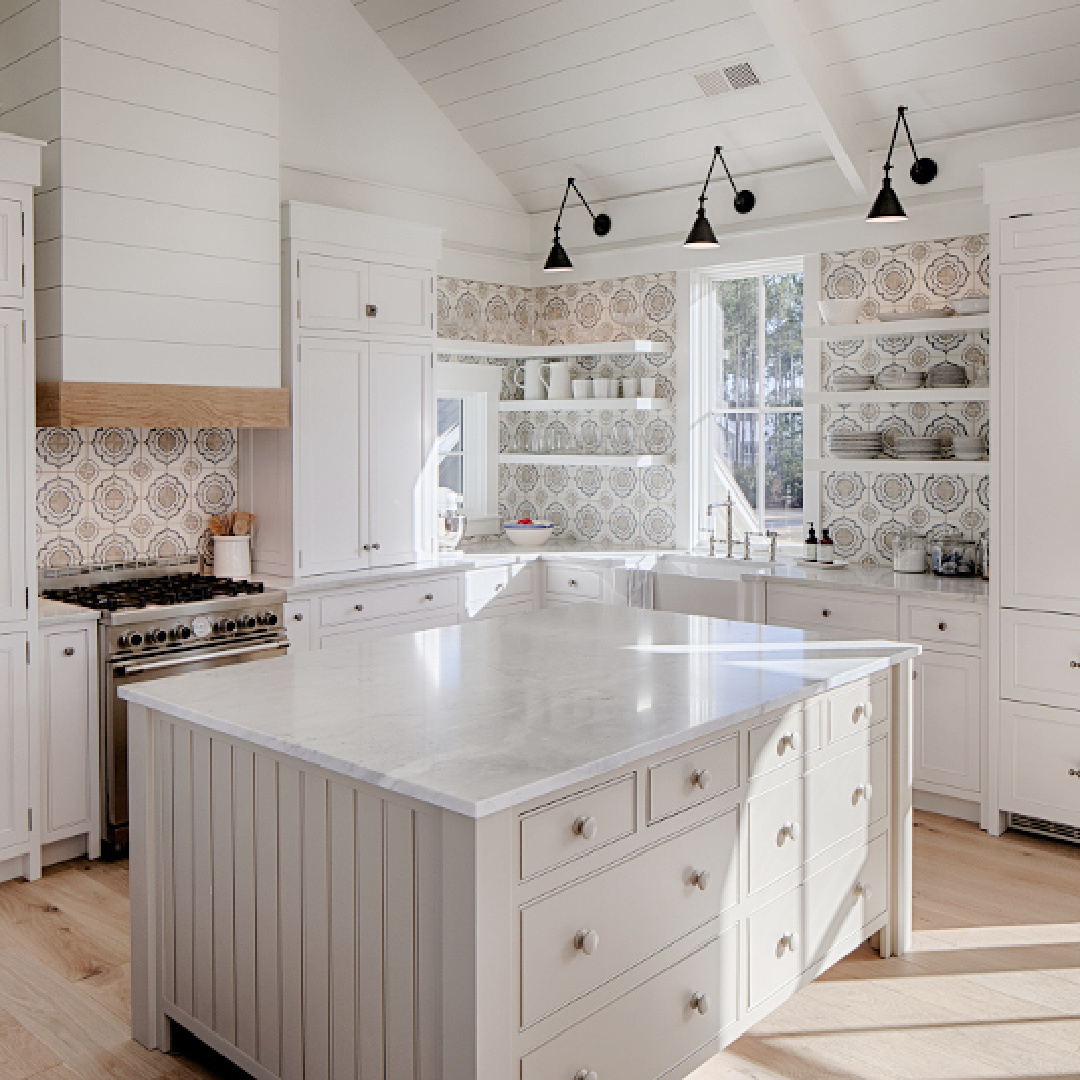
x,y
558,380
531,377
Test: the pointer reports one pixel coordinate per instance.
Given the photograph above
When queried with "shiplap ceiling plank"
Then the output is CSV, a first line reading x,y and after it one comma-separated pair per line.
x,y
605,91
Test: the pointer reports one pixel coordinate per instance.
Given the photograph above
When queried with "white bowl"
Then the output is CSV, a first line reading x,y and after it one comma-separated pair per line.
x,y
840,312
529,536
971,305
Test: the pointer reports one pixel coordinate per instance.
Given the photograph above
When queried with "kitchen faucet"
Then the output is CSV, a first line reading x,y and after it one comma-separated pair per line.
x,y
729,505
769,534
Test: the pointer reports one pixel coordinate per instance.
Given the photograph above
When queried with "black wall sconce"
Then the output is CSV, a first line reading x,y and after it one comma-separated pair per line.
x,y
887,206
601,224
701,234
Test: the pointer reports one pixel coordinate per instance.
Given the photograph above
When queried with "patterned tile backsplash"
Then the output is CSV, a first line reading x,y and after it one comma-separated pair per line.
x,y
609,504
114,494
863,511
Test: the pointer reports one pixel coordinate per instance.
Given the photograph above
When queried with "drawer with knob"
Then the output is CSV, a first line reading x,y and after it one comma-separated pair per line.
x,y
578,825
796,930
691,778
814,608
1040,658
648,1031
499,585
944,626
1040,761
577,939
781,739
856,708
363,605
572,583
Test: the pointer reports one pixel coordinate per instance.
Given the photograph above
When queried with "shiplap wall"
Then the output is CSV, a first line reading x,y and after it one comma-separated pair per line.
x,y
162,169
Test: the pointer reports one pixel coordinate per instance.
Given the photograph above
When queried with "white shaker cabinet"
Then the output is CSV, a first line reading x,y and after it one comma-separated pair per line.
x,y
13,468
14,746
297,615
12,229
948,711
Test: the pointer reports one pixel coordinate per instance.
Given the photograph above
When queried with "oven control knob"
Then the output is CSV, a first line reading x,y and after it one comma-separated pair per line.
x,y
226,626
201,626
248,622
268,619
130,641
181,633
156,637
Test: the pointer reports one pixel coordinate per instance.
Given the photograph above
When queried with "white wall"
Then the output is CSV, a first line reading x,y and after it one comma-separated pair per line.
x,y
357,131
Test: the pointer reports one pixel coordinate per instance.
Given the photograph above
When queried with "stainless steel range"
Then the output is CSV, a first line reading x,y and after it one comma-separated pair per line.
x,y
160,619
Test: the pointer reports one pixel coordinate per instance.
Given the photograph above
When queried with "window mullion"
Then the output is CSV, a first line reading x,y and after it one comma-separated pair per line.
x,y
761,403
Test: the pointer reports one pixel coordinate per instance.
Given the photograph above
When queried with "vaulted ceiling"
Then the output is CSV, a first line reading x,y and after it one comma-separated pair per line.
x,y
611,91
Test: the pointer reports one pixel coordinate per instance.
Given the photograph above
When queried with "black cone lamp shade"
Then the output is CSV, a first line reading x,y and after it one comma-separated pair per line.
x,y
887,206
701,233
558,260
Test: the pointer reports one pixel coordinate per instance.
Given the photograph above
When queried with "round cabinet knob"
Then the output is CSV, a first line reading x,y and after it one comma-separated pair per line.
x,y
572,583
864,791
358,607
790,942
701,778
791,739
1074,663
586,1074
862,712
825,613
700,1003
789,831
429,596
498,588
943,626
1074,772
701,879
367,547
587,941
863,890
69,651
298,617
586,828
376,547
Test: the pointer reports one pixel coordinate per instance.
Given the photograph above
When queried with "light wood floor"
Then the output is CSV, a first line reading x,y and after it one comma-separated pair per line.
x,y
992,989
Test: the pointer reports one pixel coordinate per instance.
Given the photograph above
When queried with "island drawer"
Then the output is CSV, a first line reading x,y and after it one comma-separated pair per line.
x,y
856,708
571,583
1040,656
944,625
497,584
579,938
362,605
819,609
779,740
795,931
577,825
648,1031
693,777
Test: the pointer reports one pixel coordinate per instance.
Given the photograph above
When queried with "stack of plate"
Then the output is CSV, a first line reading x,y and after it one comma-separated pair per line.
x,y
946,375
895,377
915,316
846,383
917,447
855,444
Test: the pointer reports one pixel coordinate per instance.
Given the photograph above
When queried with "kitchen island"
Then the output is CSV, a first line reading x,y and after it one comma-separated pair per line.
x,y
585,843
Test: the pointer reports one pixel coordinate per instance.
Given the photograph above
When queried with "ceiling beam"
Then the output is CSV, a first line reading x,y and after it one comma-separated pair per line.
x,y
786,28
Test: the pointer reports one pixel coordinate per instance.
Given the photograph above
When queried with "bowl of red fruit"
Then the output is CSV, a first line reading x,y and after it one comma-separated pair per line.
x,y
527,533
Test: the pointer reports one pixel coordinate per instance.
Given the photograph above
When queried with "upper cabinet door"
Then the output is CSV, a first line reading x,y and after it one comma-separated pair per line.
x,y
12,469
1038,237
1039,500
395,466
14,745
11,248
332,294
400,300
328,405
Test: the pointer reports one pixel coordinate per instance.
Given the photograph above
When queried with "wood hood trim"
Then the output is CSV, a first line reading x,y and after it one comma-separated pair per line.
x,y
85,404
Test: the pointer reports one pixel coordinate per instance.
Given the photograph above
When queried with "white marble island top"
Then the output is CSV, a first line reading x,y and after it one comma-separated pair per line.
x,y
485,716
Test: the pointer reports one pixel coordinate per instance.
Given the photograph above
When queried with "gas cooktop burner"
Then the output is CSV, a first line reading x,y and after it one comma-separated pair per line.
x,y
155,591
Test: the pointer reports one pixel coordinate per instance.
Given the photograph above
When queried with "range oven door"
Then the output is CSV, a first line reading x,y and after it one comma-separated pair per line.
x,y
125,670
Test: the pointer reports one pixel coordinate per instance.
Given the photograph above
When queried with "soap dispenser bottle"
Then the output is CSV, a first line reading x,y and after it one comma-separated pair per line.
x,y
811,545
825,548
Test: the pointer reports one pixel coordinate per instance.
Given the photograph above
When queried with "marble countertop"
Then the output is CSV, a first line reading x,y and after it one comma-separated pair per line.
x,y
55,613
485,716
878,579
385,576
503,546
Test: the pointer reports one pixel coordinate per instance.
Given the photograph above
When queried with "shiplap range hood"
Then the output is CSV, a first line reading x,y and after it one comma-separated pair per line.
x,y
157,235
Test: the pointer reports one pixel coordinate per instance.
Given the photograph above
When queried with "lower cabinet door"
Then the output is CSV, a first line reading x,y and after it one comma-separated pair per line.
x,y
297,614
1040,762
948,720
14,745
648,1031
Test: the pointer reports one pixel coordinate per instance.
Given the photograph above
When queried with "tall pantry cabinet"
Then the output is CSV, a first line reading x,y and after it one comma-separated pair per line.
x,y
350,486
20,173
1035,587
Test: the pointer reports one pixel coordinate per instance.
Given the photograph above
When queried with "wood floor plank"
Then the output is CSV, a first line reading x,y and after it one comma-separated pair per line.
x,y
22,1055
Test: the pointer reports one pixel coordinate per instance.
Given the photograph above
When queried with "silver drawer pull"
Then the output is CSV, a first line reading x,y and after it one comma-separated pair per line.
x,y
700,1003
791,739
298,617
69,651
862,712
825,613
863,890
572,583
701,778
788,831
428,596
1074,663
376,547
586,1074
700,878
587,941
358,607
863,791
943,626
1074,772
586,828
789,942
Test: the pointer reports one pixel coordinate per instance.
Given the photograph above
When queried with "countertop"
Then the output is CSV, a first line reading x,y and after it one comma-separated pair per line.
x,y
298,586
485,716
55,613
878,579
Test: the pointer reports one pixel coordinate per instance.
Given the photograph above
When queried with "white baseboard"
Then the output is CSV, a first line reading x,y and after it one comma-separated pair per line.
x,y
946,805
74,847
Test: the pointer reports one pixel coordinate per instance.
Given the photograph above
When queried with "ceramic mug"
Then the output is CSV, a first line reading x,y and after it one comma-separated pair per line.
x,y
531,379
648,386
558,380
582,388
630,387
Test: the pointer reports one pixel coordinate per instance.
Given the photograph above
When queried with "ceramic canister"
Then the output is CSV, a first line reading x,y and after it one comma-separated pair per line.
x,y
531,377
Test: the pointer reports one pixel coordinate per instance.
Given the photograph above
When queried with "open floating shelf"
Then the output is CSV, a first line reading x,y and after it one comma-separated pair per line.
x,y
955,324
637,461
456,347
585,405
938,394
949,466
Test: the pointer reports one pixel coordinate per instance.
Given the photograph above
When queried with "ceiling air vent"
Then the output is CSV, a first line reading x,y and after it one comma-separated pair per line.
x,y
738,76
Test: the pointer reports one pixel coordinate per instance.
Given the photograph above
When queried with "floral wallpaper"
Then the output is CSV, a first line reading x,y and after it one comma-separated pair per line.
x,y
602,504
108,495
863,511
